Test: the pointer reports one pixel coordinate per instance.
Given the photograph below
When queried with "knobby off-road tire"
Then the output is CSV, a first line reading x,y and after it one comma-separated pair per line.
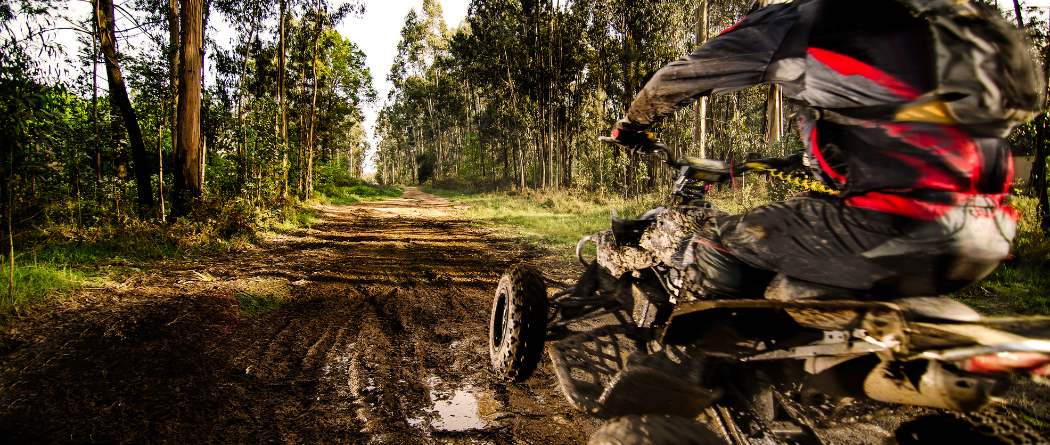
x,y
654,430
518,324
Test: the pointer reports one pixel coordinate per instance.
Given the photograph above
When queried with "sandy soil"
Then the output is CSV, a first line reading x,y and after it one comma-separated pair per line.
x,y
383,340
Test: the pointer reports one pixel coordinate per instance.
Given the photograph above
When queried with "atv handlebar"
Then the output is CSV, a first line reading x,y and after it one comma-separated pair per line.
x,y
708,170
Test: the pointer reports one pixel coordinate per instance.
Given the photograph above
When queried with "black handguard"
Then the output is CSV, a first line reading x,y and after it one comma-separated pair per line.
x,y
634,138
786,165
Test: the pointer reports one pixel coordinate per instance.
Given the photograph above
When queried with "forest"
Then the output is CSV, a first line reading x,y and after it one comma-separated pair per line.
x,y
138,152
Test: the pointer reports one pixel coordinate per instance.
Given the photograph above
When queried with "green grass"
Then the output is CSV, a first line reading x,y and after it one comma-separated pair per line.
x,y
557,219
262,297
39,284
554,219
357,193
59,259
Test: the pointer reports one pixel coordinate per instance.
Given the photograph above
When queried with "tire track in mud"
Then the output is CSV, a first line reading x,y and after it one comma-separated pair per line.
x,y
384,341
388,329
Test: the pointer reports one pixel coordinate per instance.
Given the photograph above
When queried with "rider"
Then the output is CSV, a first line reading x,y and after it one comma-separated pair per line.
x,y
920,205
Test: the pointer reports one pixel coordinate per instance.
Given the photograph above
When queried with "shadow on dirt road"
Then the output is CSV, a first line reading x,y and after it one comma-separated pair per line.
x,y
384,341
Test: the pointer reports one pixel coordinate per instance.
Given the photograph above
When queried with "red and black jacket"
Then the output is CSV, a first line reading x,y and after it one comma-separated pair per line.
x,y
833,54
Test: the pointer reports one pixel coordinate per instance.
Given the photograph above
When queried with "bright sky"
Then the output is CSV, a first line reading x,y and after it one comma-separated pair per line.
x,y
378,32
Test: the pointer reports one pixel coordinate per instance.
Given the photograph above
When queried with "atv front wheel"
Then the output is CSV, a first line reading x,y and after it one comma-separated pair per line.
x,y
518,324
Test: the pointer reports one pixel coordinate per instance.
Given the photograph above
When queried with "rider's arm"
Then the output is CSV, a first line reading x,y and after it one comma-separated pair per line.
x,y
737,58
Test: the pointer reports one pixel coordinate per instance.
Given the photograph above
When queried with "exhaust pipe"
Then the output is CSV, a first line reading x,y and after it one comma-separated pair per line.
x,y
931,383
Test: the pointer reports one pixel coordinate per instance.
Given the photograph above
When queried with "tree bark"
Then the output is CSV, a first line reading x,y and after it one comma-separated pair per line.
x,y
242,145
160,168
94,112
119,95
284,118
700,130
1038,181
309,189
173,65
774,116
187,150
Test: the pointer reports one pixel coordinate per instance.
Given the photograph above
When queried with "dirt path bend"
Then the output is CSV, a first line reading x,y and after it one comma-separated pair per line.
x,y
383,341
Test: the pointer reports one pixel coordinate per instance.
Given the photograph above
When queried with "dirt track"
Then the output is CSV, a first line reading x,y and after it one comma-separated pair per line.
x,y
384,341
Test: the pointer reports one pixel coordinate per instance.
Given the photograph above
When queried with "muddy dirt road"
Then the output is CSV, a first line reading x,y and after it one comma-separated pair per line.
x,y
384,341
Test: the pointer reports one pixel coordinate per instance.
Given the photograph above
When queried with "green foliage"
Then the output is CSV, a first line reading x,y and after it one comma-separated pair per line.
x,y
67,257
425,171
335,175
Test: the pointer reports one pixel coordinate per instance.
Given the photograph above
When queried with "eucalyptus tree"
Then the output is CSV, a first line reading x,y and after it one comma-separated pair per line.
x,y
321,20
188,185
103,13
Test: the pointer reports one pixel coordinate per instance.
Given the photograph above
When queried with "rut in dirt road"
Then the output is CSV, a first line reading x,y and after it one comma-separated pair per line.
x,y
384,341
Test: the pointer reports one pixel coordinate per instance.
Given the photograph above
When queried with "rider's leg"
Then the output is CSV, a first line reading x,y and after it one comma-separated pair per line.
x,y
822,240
716,272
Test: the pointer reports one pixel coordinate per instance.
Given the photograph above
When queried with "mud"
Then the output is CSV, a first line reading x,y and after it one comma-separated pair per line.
x,y
382,339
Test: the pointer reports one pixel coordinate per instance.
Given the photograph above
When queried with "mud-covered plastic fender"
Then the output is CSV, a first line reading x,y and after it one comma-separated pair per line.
x,y
518,324
655,430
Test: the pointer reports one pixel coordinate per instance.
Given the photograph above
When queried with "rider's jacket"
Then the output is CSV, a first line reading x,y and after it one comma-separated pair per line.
x,y
834,54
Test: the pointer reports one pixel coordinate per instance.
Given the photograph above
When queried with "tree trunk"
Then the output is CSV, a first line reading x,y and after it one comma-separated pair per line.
x,y
173,65
119,95
242,145
774,116
700,130
160,168
1038,181
94,112
6,167
284,117
313,112
187,149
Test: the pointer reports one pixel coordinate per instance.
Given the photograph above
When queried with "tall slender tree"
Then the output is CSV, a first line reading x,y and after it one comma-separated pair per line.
x,y
187,185
103,14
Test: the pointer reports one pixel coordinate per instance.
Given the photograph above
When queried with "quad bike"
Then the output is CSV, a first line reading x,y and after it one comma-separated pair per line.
x,y
633,341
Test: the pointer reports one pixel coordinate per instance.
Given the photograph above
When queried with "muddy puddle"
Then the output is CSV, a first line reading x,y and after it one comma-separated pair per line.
x,y
458,408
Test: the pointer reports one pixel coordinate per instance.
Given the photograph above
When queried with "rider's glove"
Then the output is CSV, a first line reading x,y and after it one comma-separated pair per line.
x,y
791,163
633,136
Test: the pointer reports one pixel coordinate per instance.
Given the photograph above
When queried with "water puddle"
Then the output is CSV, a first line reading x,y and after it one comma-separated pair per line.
x,y
463,408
